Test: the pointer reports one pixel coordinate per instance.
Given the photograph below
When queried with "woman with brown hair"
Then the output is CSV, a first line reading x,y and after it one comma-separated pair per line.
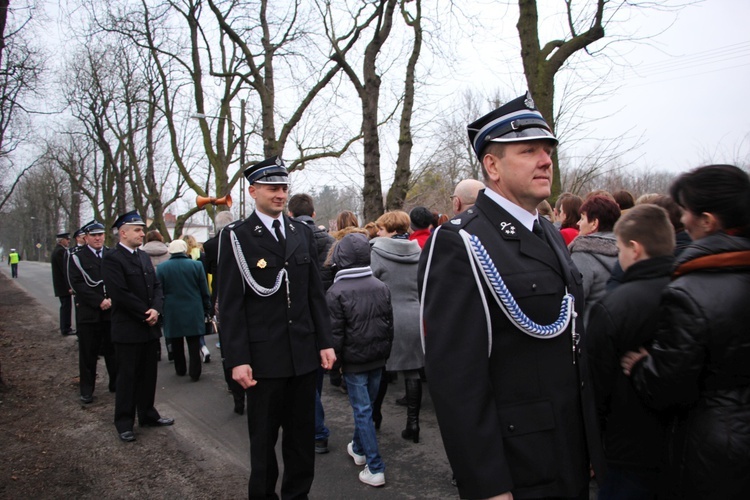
x,y
568,212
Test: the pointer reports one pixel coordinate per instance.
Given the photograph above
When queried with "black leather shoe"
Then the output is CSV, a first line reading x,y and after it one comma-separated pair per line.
x,y
127,436
68,333
87,399
162,422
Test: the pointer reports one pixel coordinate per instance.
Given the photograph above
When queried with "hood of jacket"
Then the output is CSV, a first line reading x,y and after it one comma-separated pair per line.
x,y
155,248
398,250
352,251
596,243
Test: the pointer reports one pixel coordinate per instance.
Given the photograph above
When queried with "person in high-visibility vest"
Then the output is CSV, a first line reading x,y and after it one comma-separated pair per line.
x,y
13,259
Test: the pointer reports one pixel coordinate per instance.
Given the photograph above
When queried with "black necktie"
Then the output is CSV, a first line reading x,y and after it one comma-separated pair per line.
x,y
537,229
277,229
98,254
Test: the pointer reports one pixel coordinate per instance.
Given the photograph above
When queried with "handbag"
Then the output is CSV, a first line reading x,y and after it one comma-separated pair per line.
x,y
212,326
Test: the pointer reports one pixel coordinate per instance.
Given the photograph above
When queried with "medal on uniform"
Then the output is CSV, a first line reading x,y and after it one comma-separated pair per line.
x,y
262,264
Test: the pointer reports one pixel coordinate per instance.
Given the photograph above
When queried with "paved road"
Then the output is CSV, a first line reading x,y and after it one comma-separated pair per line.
x,y
206,424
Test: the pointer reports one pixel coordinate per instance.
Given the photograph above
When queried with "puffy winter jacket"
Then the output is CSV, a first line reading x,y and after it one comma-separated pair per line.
x,y
360,308
700,364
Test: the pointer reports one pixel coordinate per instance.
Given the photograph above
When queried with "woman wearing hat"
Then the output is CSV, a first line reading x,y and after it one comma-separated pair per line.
x,y
186,305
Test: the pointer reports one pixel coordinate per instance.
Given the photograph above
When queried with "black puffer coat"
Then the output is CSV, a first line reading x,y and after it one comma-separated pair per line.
x,y
360,308
700,364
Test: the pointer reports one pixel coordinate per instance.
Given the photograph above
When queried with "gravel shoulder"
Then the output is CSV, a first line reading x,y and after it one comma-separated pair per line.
x,y
54,447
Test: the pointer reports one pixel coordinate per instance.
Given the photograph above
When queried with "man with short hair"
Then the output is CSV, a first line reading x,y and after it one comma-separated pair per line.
x,y
301,208
137,301
501,341
93,308
61,284
275,331
465,195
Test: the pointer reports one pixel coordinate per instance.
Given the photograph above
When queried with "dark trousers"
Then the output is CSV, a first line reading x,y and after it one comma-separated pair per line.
x,y
136,383
289,404
66,315
14,270
93,340
194,355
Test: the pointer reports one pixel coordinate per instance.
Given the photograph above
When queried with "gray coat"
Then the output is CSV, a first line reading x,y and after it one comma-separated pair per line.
x,y
395,263
595,255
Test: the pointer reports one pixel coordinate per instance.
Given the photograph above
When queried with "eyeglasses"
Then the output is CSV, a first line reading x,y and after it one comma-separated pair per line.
x,y
453,196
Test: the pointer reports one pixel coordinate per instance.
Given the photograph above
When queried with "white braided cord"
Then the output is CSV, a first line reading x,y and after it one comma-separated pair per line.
x,y
505,299
259,289
86,278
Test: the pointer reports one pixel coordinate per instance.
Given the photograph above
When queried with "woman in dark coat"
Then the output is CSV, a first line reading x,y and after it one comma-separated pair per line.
x,y
699,363
186,305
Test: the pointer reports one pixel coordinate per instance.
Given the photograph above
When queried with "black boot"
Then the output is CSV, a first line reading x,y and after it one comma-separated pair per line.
x,y
377,415
414,404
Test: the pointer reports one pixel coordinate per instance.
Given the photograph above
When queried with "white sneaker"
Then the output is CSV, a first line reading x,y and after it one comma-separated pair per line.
x,y
367,477
206,354
358,459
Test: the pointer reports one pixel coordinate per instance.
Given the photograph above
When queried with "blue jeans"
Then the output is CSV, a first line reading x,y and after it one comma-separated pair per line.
x,y
363,389
321,431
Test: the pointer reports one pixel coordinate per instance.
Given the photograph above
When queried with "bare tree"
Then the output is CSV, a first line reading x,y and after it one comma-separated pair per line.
x,y
400,187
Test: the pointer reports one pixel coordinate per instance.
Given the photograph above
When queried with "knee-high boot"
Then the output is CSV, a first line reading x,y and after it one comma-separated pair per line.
x,y
414,404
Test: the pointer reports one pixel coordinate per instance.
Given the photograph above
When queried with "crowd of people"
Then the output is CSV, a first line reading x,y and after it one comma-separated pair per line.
x,y
603,336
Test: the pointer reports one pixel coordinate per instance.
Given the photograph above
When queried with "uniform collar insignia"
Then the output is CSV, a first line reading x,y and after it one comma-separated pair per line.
x,y
508,228
291,227
258,230
456,222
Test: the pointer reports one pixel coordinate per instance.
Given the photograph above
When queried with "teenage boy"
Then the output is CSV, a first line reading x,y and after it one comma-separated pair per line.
x,y
623,320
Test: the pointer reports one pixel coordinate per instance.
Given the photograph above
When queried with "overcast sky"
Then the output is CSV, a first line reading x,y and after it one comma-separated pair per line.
x,y
685,91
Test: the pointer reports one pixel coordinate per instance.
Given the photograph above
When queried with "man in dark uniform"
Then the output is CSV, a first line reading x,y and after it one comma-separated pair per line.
x,y
136,305
275,331
508,394
92,311
60,283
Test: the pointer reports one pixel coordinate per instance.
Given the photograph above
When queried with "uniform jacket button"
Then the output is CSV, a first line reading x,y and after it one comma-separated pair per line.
x,y
511,428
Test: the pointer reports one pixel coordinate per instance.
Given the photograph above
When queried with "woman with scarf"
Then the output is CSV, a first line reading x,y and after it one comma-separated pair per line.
x,y
698,366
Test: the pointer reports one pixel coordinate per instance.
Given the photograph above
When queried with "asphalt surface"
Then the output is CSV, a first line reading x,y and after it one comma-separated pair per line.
x,y
206,426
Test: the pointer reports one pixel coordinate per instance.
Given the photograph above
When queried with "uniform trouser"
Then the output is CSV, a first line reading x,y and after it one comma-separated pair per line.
x,y
66,316
14,270
194,367
93,340
289,404
136,383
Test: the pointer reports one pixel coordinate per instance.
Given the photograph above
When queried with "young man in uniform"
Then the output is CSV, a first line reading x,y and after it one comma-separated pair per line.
x,y
275,331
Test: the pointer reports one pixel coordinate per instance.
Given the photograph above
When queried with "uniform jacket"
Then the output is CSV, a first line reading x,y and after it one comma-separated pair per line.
x,y
360,307
59,271
132,284
395,262
88,284
624,320
186,299
278,335
512,413
700,364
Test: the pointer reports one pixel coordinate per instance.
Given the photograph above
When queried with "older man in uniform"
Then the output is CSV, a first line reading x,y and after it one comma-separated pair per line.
x,y
92,311
61,284
499,295
136,305
275,331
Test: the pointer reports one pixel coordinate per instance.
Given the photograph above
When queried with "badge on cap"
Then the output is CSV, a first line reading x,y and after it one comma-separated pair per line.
x,y
262,264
